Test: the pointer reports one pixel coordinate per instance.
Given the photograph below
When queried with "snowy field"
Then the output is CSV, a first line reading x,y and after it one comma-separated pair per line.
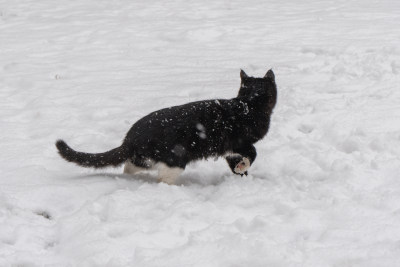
x,y
324,190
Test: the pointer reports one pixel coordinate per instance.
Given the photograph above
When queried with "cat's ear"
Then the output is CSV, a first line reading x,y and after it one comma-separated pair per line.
x,y
270,74
243,74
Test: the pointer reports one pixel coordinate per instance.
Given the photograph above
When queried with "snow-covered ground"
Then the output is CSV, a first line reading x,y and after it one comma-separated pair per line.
x,y
324,190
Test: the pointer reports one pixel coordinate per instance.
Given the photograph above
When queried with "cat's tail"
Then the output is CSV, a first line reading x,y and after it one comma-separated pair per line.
x,y
114,157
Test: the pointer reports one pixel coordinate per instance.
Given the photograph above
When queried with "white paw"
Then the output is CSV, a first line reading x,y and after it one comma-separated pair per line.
x,y
242,166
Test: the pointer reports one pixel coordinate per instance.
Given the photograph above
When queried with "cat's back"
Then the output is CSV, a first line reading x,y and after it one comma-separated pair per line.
x,y
180,121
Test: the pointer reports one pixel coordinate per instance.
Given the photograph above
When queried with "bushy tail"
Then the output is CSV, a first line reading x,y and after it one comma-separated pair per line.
x,y
114,157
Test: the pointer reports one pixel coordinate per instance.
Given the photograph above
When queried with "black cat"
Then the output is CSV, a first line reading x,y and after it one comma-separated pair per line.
x,y
170,138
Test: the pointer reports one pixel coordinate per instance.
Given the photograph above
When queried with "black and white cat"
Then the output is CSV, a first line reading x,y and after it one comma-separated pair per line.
x,y
170,138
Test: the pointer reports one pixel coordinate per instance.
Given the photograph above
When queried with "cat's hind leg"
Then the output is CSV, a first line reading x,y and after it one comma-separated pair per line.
x,y
131,168
168,174
138,164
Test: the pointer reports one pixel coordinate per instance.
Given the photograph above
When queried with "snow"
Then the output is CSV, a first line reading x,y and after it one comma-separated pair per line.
x,y
324,190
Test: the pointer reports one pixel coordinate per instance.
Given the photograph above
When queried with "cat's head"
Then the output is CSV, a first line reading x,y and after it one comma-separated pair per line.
x,y
264,88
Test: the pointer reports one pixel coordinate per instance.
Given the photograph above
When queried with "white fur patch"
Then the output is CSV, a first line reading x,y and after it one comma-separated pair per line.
x,y
242,166
167,174
131,168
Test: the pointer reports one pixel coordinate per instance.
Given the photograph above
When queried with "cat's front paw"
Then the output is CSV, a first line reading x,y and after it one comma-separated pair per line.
x,y
242,167
238,164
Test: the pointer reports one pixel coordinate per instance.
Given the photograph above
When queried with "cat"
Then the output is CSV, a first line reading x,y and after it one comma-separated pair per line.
x,y
170,138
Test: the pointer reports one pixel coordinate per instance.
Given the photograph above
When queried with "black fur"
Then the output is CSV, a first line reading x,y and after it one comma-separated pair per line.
x,y
202,129
114,157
